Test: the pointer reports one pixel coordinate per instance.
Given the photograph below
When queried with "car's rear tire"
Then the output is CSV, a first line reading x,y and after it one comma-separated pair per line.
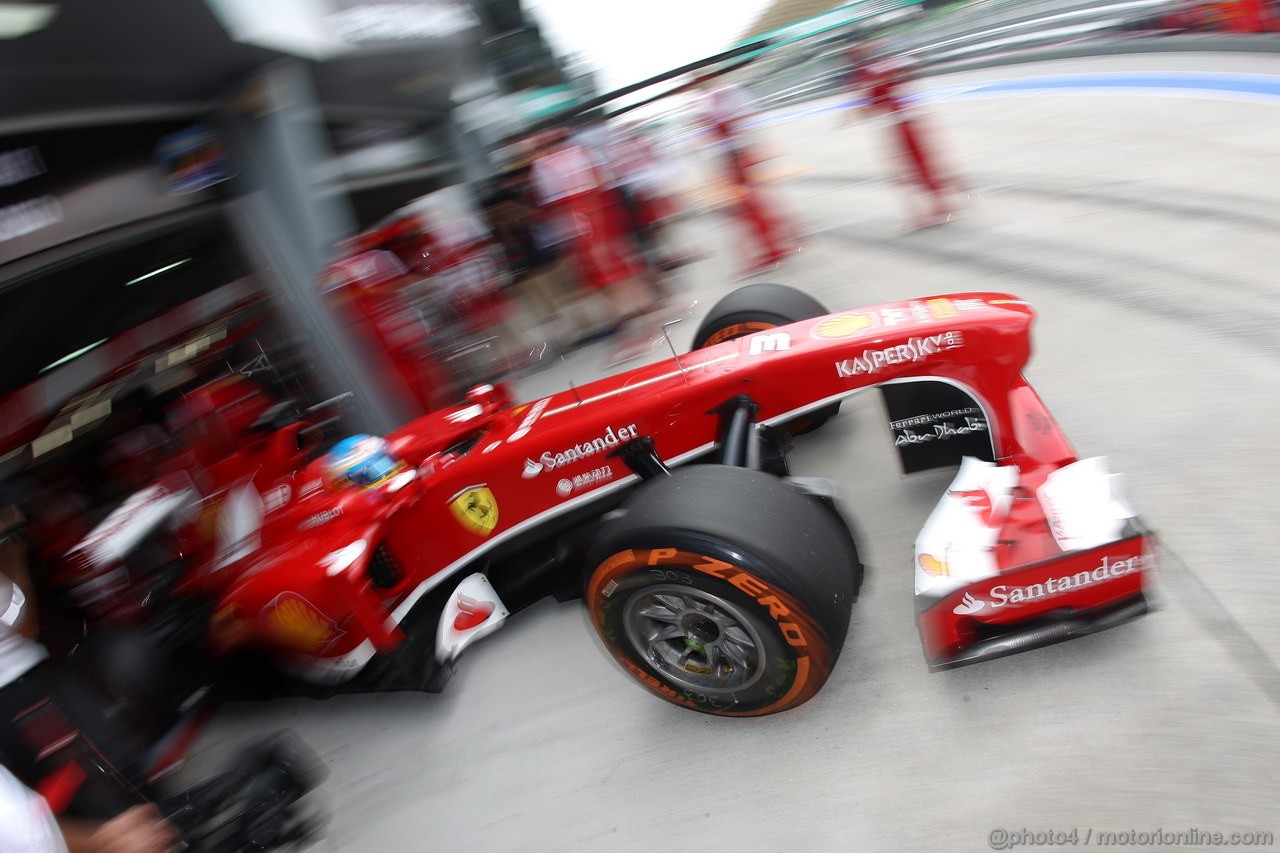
x,y
724,590
757,308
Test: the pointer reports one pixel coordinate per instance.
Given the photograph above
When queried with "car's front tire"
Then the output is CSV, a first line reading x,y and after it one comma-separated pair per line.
x,y
724,590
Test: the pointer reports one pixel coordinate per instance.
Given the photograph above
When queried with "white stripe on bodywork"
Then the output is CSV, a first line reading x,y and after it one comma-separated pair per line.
x,y
441,576
437,579
615,392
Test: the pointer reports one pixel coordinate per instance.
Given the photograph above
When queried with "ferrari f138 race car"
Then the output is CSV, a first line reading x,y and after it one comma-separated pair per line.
x,y
727,587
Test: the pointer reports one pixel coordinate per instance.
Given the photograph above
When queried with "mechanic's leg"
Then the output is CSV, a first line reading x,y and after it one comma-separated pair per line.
x,y
920,162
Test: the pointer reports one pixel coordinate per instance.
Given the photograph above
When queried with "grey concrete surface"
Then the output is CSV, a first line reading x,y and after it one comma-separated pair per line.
x,y
1144,231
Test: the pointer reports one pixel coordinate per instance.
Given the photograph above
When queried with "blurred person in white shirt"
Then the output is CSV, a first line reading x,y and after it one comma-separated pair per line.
x,y
28,826
26,822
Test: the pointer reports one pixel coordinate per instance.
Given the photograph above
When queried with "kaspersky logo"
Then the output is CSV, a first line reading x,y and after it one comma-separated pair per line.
x,y
1002,595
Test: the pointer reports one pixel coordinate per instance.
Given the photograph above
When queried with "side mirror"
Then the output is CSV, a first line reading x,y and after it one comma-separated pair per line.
x,y
490,398
291,445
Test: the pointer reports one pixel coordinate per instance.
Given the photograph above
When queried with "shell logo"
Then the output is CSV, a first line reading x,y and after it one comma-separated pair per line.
x,y
293,621
842,326
933,566
942,308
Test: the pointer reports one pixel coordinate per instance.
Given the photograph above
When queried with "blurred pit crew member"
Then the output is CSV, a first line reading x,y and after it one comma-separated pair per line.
x,y
646,200
366,291
570,190
726,109
538,272
28,681
28,826
469,280
883,79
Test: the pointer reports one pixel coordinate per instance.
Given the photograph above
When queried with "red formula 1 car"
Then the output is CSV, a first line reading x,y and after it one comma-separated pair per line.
x,y
726,587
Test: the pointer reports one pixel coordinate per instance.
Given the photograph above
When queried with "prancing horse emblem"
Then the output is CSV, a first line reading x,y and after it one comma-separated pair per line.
x,y
476,509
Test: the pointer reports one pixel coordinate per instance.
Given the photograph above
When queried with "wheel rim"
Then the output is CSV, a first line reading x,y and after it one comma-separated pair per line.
x,y
694,638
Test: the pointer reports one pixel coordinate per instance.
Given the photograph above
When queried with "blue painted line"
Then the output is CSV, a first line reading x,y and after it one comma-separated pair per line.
x,y
1206,84
1239,84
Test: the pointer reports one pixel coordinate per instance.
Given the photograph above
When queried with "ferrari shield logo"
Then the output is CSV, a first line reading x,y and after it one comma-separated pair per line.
x,y
476,510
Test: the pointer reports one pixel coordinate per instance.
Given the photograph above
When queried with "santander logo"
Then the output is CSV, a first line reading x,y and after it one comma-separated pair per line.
x,y
1002,595
550,461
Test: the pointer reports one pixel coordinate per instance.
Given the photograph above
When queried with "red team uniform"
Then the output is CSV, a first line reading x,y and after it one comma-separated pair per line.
x,y
570,189
883,81
727,109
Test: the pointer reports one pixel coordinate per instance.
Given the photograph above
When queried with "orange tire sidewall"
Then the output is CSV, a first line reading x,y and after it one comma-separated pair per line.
x,y
803,638
738,330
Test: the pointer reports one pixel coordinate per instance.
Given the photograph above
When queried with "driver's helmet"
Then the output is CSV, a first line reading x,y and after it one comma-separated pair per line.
x,y
362,461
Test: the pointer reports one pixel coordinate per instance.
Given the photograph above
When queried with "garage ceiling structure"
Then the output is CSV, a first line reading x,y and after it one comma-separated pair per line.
x,y
97,69
106,63
103,63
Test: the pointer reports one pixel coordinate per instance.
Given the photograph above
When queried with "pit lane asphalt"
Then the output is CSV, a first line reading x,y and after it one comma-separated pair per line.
x,y
1143,229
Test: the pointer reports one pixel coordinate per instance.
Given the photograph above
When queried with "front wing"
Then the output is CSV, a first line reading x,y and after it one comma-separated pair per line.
x,y
1012,560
